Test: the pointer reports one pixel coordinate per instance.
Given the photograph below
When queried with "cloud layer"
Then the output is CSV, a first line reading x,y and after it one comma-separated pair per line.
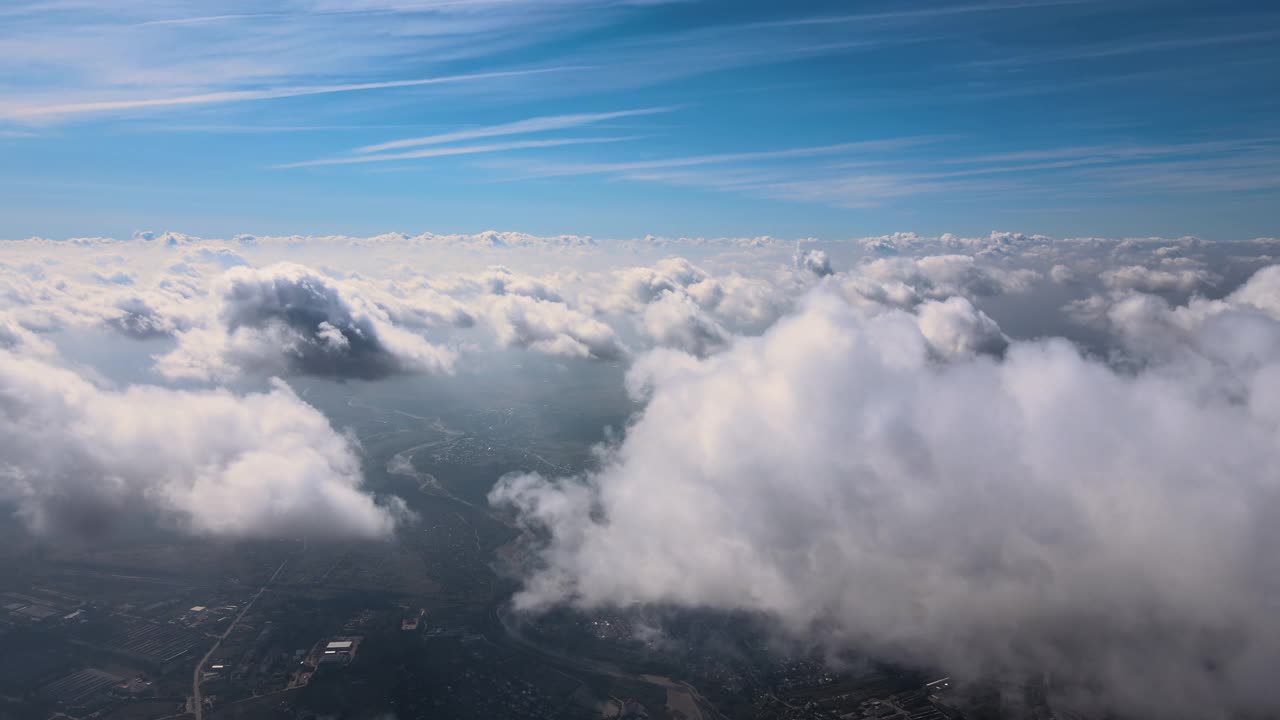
x,y
1002,455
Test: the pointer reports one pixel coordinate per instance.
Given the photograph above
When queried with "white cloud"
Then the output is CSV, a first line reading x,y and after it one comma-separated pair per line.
x,y
1062,274
940,276
499,280
453,150
551,327
39,111
675,320
519,127
904,281
1228,333
1145,279
955,328
639,286
1038,512
78,458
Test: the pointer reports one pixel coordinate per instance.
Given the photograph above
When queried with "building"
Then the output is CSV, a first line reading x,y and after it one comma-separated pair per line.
x,y
340,650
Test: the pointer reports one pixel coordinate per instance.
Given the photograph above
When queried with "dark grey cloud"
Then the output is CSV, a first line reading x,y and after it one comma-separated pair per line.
x,y
137,318
288,319
814,261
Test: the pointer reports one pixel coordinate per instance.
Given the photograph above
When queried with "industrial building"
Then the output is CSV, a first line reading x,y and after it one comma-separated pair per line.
x,y
340,650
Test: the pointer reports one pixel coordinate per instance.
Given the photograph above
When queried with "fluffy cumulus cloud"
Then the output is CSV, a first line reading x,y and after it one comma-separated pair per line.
x,y
814,261
551,327
1236,331
1062,274
638,286
287,319
1178,278
676,303
954,327
871,480
675,320
76,459
941,276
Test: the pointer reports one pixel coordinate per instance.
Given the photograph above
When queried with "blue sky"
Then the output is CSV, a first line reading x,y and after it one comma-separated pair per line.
x,y
619,119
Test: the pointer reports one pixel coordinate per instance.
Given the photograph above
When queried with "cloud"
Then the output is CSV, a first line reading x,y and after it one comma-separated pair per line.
x,y
675,320
642,285
287,319
1145,279
453,150
814,261
79,460
519,127
1032,512
675,303
1062,274
903,281
14,337
553,328
745,302
941,276
54,295
630,168
222,257
499,280
955,328
1262,291
140,319
31,112
1232,332
118,277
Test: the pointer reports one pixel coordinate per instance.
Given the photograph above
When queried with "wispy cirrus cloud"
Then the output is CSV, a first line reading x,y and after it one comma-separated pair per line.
x,y
923,13
518,127
1130,47
453,150
34,112
207,19
71,59
876,173
814,151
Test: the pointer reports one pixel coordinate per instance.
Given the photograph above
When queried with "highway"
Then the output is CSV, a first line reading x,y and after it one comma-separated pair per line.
x,y
197,702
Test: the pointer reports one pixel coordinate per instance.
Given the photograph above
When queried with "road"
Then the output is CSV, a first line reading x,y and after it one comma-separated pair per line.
x,y
197,702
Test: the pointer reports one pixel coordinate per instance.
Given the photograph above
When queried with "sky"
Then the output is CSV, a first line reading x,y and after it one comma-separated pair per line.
x,y
622,119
